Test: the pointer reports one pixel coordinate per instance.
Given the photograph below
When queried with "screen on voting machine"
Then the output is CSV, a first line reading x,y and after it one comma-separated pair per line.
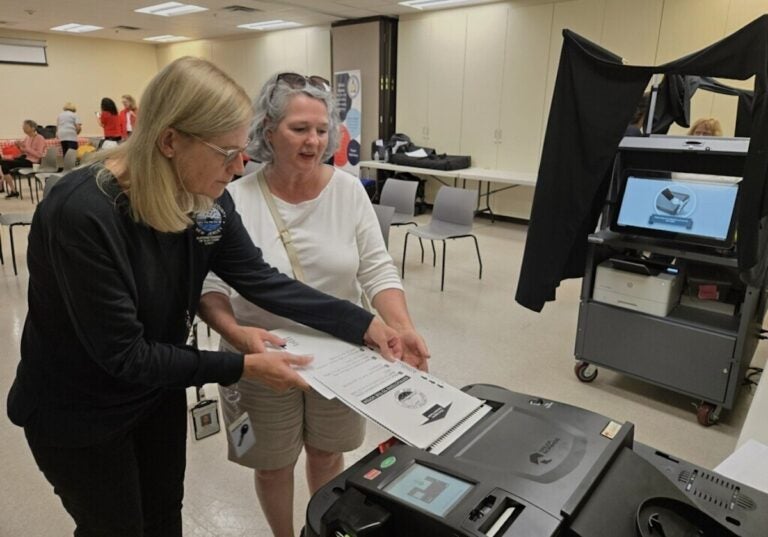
x,y
699,207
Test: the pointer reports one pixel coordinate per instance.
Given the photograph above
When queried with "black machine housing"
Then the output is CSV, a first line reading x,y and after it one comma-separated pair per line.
x,y
536,468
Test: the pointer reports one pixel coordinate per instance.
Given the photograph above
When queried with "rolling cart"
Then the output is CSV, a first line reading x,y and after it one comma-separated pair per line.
x,y
697,352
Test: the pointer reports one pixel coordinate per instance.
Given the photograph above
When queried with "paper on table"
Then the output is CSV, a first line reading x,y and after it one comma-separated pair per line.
x,y
419,153
415,406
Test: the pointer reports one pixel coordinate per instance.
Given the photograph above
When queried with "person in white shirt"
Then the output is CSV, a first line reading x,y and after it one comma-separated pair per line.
x,y
68,126
340,250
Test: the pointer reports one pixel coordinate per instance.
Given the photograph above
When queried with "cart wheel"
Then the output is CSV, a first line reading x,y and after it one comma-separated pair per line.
x,y
706,414
585,372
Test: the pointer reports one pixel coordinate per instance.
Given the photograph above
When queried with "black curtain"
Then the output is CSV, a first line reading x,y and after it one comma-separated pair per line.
x,y
594,99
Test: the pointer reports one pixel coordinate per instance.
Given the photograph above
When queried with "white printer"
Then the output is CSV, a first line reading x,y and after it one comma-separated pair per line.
x,y
655,292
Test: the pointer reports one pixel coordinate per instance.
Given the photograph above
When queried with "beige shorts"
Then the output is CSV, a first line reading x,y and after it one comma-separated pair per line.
x,y
284,422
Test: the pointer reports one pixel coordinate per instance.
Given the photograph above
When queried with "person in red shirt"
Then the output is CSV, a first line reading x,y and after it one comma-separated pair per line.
x,y
110,120
32,150
128,116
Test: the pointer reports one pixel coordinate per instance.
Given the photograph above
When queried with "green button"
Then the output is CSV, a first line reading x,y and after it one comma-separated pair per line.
x,y
386,463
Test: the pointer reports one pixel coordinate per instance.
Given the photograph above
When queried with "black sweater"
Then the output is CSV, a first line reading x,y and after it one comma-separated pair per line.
x,y
108,298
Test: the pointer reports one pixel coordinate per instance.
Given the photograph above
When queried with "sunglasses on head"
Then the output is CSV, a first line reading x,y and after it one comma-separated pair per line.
x,y
297,81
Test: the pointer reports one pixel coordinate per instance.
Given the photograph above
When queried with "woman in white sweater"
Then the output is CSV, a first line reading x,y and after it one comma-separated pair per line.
x,y
340,251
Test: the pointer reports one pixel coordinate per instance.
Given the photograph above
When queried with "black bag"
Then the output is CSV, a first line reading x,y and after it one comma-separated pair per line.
x,y
433,162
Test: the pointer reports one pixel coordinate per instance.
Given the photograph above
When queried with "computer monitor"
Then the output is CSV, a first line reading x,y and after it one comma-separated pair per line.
x,y
683,207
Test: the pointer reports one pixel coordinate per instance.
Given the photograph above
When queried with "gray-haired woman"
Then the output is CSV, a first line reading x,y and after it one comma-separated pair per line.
x,y
340,251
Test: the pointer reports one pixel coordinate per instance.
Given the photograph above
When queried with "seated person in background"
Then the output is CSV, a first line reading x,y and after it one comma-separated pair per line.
x,y
32,150
706,127
340,251
635,127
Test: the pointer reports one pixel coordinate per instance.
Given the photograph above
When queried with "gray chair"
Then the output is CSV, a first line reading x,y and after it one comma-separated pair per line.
x,y
402,196
48,164
51,180
452,218
12,221
384,215
41,179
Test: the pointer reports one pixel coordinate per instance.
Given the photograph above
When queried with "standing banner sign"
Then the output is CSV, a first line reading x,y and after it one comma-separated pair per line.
x,y
349,102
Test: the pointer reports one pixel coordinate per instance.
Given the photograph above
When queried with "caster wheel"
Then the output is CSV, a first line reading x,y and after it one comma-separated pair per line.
x,y
706,414
585,372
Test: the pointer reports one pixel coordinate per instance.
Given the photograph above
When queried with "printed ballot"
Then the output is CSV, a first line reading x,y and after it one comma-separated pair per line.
x,y
418,408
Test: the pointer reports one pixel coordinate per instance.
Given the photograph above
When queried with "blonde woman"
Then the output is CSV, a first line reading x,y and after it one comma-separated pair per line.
x,y
706,127
68,126
128,116
340,250
117,258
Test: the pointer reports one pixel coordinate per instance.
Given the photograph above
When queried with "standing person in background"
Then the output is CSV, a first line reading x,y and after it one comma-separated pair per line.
x,y
110,120
68,126
32,150
128,116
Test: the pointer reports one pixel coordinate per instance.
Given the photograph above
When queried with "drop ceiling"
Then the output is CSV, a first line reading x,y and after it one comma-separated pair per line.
x,y
218,21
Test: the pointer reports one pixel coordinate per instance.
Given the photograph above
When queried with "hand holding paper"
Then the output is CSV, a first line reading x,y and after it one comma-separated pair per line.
x,y
385,339
276,369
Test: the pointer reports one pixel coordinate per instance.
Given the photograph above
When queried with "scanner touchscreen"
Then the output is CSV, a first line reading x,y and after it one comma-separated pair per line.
x,y
681,206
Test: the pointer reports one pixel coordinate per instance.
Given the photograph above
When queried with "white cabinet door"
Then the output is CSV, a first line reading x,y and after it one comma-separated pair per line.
x,y
524,87
483,74
446,79
412,84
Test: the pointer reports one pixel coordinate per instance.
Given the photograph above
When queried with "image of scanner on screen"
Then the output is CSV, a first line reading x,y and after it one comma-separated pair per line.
x,y
699,211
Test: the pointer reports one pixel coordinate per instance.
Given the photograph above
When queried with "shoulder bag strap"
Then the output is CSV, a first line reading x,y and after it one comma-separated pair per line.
x,y
282,229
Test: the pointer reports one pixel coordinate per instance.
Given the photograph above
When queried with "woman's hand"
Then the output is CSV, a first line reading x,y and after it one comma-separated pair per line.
x,y
275,369
415,351
384,338
249,339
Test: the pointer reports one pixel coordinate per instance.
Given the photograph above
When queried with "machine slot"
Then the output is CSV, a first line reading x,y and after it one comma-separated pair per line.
x,y
503,518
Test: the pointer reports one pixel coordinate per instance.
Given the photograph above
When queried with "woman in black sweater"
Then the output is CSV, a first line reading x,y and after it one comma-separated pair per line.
x,y
118,253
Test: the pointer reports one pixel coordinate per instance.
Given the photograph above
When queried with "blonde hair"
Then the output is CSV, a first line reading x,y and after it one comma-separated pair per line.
x,y
195,97
131,101
70,106
710,124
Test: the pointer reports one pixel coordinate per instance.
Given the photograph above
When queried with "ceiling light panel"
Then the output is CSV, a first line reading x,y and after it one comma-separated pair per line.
x,y
426,4
76,28
171,9
269,25
166,38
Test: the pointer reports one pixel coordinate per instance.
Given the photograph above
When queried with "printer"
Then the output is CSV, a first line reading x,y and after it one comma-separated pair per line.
x,y
534,468
637,286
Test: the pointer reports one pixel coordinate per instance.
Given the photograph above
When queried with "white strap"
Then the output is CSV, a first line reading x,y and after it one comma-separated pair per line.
x,y
282,229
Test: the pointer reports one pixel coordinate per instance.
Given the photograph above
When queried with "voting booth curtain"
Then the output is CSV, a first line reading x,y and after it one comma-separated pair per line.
x,y
594,99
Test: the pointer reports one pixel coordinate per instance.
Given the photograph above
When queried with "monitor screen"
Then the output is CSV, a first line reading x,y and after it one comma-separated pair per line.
x,y
688,207
428,489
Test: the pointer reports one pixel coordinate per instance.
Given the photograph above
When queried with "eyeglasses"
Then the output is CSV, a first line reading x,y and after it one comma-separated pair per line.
x,y
297,81
230,155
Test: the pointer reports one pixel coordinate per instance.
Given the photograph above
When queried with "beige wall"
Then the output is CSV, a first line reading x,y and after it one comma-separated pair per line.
x,y
252,60
479,80
81,70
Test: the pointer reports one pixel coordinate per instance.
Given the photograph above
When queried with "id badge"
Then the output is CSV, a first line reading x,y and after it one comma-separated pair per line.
x,y
241,434
205,418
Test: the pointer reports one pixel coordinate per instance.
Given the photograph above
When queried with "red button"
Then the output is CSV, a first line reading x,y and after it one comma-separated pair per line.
x,y
372,474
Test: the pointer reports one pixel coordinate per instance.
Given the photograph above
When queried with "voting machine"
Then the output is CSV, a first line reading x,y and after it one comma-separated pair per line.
x,y
534,468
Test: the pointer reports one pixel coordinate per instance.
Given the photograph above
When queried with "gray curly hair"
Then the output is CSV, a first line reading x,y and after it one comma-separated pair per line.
x,y
269,110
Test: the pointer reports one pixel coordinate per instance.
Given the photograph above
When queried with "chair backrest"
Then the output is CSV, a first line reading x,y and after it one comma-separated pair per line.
x,y
50,159
400,194
455,205
384,213
70,160
49,182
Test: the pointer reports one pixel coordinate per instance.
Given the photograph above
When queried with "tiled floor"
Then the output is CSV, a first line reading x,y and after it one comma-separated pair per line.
x,y
477,333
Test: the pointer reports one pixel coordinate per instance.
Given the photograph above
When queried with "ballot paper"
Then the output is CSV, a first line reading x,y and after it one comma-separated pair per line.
x,y
416,407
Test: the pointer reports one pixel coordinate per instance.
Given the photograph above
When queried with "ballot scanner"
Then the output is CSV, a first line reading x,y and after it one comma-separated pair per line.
x,y
534,468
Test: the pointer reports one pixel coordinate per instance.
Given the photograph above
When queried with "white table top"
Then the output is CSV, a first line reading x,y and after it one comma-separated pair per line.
x,y
380,165
473,173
